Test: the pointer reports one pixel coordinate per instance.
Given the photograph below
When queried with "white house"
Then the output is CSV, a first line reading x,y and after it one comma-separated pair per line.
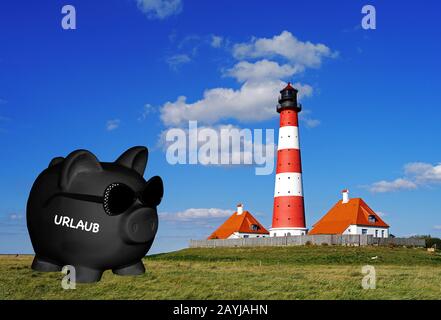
x,y
351,216
240,224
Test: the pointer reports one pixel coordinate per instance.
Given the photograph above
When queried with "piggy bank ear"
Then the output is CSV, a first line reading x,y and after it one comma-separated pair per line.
x,y
77,162
135,158
153,192
55,161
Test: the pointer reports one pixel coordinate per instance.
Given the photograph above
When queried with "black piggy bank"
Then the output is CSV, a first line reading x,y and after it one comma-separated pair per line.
x,y
94,215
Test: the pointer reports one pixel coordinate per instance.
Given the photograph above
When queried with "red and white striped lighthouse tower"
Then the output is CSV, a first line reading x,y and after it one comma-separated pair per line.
x,y
288,211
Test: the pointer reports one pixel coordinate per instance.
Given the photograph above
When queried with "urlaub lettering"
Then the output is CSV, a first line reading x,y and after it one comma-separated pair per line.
x,y
68,222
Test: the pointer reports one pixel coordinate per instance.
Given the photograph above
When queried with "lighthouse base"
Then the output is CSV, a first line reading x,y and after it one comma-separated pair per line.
x,y
286,232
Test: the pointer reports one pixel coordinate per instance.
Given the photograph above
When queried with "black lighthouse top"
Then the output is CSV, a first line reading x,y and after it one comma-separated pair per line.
x,y
288,99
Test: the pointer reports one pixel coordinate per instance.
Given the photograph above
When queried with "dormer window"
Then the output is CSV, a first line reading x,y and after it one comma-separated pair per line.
x,y
372,219
254,227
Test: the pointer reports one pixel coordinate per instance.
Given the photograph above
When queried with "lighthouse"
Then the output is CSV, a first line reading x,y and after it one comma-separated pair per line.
x,y
288,210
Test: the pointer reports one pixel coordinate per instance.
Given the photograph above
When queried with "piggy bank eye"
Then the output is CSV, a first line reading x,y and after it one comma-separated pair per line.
x,y
118,198
153,192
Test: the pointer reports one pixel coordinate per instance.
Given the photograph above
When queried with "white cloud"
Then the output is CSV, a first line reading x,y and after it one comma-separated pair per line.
x,y
263,69
305,117
395,185
178,59
438,227
382,214
113,124
417,174
15,216
311,123
196,214
260,80
424,173
147,109
287,46
160,9
216,41
190,41
254,101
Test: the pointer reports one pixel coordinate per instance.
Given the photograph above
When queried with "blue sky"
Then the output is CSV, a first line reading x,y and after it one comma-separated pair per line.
x,y
371,98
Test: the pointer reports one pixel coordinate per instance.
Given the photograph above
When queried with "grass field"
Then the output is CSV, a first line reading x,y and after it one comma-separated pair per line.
x,y
312,272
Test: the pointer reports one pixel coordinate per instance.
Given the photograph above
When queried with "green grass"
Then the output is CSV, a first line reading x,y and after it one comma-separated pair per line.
x,y
312,272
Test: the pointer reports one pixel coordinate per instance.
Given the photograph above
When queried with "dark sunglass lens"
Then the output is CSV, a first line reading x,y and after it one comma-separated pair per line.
x,y
153,192
118,198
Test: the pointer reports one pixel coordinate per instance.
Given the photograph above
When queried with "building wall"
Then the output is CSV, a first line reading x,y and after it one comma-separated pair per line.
x,y
287,232
240,235
357,229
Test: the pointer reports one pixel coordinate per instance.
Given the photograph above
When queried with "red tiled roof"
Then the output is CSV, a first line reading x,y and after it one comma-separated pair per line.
x,y
355,212
238,223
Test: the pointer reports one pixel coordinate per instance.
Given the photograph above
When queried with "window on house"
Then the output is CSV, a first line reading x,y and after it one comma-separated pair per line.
x,y
254,227
245,236
363,231
372,218
349,230
376,233
382,233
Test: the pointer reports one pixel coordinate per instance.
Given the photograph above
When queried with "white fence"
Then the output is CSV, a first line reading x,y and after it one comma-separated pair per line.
x,y
342,240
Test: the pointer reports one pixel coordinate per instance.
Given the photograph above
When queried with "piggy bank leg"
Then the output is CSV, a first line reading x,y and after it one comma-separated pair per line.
x,y
131,270
87,275
42,265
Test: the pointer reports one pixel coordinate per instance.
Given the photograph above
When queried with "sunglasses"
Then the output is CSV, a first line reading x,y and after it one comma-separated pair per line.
x,y
118,197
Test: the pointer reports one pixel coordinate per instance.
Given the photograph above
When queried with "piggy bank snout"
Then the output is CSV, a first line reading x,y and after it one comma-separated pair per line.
x,y
140,226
